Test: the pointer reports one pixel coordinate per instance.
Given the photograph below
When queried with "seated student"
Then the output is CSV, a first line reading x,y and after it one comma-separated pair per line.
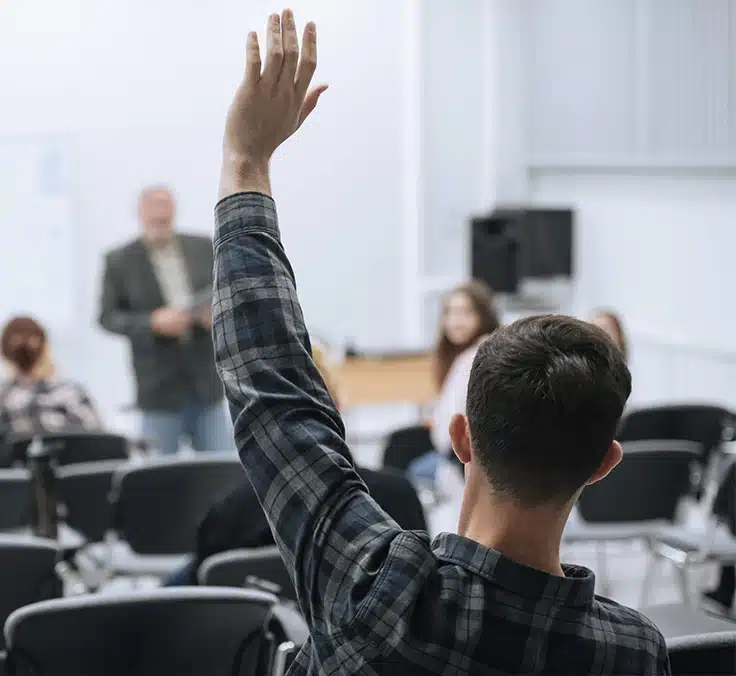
x,y
544,400
34,400
468,316
238,522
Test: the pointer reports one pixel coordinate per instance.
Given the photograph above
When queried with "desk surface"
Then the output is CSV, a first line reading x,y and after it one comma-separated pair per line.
x,y
390,378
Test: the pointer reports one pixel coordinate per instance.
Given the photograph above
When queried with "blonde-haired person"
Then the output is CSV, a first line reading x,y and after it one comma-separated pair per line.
x,y
34,399
612,324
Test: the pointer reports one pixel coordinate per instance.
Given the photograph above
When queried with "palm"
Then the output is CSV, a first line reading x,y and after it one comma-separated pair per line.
x,y
273,102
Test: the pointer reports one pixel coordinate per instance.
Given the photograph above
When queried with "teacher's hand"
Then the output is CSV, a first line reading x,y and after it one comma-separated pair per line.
x,y
167,321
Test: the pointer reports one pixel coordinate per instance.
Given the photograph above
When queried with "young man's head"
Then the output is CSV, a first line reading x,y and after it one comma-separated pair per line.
x,y
545,397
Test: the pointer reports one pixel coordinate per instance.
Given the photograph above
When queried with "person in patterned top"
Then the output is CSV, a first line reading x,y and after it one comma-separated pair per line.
x,y
34,400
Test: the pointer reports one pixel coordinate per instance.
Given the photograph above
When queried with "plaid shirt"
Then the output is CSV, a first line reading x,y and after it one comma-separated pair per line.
x,y
42,406
377,599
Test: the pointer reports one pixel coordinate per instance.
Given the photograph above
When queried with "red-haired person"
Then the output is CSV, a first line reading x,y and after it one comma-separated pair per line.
x,y
34,400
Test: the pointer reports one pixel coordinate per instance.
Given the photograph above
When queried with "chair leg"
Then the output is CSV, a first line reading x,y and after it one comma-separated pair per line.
x,y
600,549
683,573
653,564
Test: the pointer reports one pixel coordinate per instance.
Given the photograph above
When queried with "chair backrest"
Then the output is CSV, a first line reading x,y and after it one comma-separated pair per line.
x,y
700,423
76,447
713,654
648,484
26,572
405,445
261,568
15,498
396,494
187,630
159,503
84,491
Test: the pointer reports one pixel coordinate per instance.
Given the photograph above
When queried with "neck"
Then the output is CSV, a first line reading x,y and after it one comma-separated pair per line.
x,y
157,242
41,371
529,536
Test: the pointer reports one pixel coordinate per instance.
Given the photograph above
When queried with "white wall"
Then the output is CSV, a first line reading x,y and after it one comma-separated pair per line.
x,y
141,88
659,249
436,110
630,118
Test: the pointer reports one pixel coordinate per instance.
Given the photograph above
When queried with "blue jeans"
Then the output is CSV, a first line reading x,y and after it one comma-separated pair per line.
x,y
424,468
207,428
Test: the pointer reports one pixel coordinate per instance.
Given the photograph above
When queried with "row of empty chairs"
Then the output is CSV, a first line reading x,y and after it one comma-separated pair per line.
x,y
197,631
212,629
672,455
154,504
139,500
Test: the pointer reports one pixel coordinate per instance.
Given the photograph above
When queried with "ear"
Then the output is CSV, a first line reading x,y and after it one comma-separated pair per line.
x,y
613,457
460,436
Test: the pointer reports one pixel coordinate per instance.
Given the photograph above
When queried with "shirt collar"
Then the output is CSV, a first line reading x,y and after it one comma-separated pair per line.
x,y
577,588
171,246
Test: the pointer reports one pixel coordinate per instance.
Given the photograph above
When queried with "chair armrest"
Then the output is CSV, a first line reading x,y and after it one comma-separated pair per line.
x,y
292,623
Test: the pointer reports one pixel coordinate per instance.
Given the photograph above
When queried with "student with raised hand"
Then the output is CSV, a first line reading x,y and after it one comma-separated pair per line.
x,y
544,400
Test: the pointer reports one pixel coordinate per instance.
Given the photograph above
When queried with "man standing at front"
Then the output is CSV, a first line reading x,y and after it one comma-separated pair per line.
x,y
156,292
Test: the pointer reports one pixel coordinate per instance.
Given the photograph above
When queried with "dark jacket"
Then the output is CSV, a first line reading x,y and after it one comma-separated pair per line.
x,y
169,373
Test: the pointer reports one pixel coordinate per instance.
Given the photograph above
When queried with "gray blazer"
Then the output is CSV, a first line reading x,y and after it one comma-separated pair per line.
x,y
169,373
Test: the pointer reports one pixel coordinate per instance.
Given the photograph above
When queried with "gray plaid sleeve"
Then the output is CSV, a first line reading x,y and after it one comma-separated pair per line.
x,y
289,433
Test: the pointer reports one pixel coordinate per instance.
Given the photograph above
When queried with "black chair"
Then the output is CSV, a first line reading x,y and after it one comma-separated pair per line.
x,y
685,547
261,568
640,496
396,494
679,620
27,572
15,499
704,424
193,631
405,445
84,492
713,654
653,476
73,447
158,504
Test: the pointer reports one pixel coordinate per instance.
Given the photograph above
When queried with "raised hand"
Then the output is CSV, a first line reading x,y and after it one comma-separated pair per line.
x,y
272,101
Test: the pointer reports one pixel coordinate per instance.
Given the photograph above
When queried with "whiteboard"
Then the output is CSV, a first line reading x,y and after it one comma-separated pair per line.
x,y
37,230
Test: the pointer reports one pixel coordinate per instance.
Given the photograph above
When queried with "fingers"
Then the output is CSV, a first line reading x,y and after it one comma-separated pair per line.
x,y
308,61
310,103
274,51
291,46
253,60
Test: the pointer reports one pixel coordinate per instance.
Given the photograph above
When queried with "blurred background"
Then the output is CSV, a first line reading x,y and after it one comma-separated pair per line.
x,y
574,155
438,112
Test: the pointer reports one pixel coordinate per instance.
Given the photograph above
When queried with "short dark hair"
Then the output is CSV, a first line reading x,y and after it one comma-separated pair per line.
x,y
545,398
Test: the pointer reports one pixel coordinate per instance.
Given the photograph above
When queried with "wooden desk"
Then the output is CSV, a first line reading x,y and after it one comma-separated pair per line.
x,y
387,379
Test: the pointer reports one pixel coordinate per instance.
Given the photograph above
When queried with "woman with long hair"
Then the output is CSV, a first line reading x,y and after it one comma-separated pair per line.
x,y
34,400
468,315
